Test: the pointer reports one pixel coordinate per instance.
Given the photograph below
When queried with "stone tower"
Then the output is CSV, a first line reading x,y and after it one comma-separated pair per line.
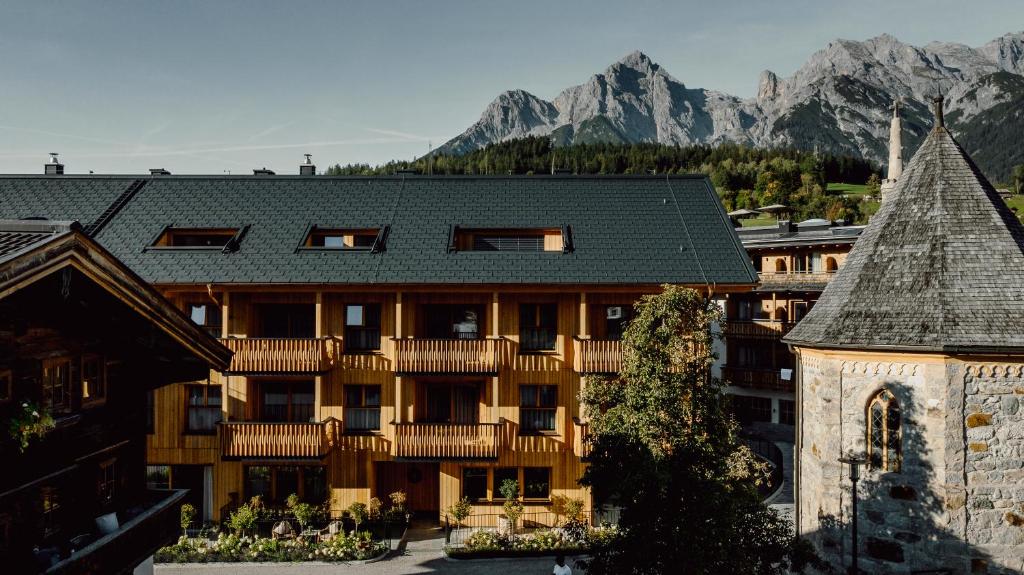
x,y
914,356
895,151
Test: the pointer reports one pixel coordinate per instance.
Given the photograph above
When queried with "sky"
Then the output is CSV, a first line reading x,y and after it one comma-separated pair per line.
x,y
219,86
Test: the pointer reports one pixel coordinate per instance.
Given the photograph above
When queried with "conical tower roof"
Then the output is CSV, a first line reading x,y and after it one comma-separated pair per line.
x,y
939,268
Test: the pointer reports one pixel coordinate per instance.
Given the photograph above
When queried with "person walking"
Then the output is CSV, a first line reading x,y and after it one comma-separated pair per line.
x,y
560,567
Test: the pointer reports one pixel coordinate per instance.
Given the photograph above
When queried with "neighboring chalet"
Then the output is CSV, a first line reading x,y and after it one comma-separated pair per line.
x,y
418,333
83,340
794,262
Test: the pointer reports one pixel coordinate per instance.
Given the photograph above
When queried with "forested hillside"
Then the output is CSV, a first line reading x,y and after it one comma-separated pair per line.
x,y
744,177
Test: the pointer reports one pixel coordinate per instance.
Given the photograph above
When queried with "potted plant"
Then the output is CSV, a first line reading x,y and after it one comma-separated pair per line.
x,y
358,512
31,421
460,511
512,509
188,515
304,513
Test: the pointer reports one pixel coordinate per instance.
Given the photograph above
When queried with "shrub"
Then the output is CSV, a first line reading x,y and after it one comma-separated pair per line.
x,y
243,519
304,512
373,508
188,515
358,512
398,501
485,541
460,510
513,508
232,548
31,421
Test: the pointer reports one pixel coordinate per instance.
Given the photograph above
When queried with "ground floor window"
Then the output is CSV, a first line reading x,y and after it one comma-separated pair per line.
x,y
787,412
752,409
275,483
484,483
158,477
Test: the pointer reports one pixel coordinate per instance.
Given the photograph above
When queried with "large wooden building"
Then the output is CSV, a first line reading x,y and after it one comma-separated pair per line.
x,y
82,342
416,333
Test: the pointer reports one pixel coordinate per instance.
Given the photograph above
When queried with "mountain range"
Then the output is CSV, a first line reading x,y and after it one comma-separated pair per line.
x,y
839,102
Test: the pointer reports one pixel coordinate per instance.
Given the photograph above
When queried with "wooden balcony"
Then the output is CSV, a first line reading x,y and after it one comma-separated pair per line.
x,y
755,378
598,355
797,280
280,355
257,440
580,444
447,440
758,329
420,356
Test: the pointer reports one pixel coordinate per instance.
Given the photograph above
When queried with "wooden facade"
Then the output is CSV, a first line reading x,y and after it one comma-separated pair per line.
x,y
414,411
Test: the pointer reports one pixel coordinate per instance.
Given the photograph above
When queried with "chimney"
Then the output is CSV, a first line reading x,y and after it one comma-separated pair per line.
x,y
895,152
158,172
263,172
307,168
939,122
53,167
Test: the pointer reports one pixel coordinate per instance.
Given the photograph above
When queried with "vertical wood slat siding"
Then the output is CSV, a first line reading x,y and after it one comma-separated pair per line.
x,y
273,440
581,447
446,355
280,355
599,356
444,440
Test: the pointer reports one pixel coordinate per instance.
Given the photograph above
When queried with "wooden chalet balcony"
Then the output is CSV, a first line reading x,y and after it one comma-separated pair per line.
x,y
580,445
446,355
447,440
756,378
758,329
598,355
280,355
795,279
258,440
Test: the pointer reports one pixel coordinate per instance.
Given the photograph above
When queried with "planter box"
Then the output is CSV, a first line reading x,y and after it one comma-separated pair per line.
x,y
460,555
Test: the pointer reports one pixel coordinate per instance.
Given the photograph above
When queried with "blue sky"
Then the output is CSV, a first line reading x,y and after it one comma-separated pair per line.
x,y
215,85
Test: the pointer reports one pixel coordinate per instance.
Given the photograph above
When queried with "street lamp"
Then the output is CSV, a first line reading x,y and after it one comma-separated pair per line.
x,y
854,461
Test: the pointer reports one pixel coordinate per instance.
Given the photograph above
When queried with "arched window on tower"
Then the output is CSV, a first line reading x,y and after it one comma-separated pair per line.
x,y
885,439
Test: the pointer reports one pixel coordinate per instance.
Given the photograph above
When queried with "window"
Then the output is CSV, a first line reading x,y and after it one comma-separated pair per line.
x,y
362,407
511,240
344,238
362,327
750,409
287,401
787,412
6,385
158,477
457,321
536,482
275,483
474,483
199,238
106,481
204,408
501,475
206,315
94,380
151,411
50,503
885,444
537,407
538,326
57,384
285,320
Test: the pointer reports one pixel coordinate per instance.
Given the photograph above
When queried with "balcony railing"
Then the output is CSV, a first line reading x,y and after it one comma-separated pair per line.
x,y
580,443
446,355
447,440
280,355
141,531
598,355
796,278
758,329
258,440
756,378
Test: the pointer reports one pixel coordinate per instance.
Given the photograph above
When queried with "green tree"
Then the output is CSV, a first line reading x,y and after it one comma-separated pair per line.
x,y
666,449
1018,178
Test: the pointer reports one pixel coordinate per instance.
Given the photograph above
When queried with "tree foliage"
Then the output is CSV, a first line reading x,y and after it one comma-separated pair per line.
x,y
665,448
745,177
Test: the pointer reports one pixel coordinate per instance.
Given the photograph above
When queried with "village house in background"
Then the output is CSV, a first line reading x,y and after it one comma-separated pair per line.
x,y
414,333
83,341
914,358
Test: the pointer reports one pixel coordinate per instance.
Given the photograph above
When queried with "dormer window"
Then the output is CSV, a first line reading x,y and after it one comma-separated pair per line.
x,y
511,239
224,239
357,239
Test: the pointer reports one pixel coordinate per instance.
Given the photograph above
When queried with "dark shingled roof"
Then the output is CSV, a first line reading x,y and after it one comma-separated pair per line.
x,y
625,230
20,236
939,268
